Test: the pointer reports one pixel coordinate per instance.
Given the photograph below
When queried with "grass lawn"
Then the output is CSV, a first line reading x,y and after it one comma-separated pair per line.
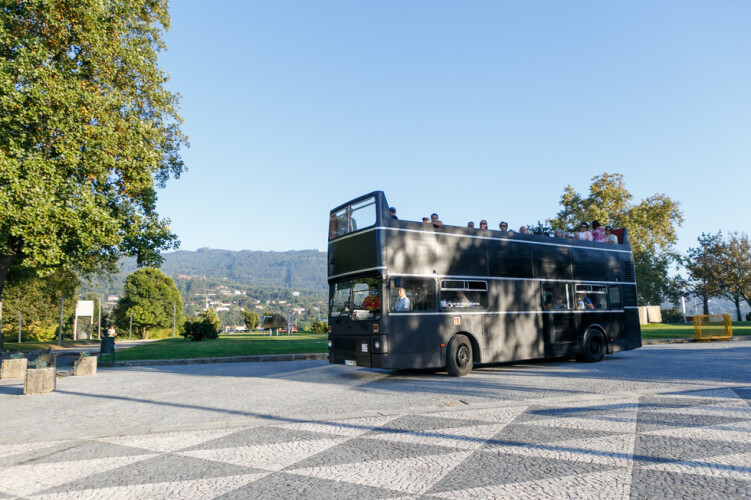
x,y
227,345
686,330
35,346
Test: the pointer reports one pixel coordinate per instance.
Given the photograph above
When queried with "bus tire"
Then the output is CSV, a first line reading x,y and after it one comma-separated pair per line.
x,y
459,356
594,347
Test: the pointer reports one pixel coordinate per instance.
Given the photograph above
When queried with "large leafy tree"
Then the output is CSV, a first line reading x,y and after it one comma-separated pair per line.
x,y
250,318
736,269
88,131
703,264
651,225
152,298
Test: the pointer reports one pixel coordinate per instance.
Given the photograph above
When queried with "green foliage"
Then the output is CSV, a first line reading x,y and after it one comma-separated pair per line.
x,y
200,330
212,317
149,297
88,132
651,225
541,229
672,315
38,300
251,319
320,327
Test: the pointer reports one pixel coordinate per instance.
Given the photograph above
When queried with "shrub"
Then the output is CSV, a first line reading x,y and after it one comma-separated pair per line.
x,y
199,330
320,327
672,315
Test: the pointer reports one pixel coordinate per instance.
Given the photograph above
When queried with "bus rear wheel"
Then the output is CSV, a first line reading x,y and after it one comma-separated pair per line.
x,y
594,347
459,356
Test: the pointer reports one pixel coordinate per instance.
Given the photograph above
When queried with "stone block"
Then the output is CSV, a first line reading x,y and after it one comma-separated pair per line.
x,y
85,366
13,368
40,380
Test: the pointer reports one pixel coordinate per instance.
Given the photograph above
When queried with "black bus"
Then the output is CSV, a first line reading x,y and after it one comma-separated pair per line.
x,y
472,295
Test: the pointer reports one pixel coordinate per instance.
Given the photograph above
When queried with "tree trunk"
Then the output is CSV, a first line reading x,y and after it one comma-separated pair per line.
x,y
5,263
737,301
705,301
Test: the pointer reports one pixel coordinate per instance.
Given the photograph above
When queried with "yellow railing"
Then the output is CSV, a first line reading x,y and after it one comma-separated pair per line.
x,y
713,327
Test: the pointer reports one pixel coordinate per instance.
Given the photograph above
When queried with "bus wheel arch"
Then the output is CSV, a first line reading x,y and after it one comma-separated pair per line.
x,y
459,355
594,345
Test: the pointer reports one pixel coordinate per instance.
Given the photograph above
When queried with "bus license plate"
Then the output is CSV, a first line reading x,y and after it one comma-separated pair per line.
x,y
350,362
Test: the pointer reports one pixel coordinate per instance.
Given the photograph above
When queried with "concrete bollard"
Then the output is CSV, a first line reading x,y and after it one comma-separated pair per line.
x,y
13,368
85,366
40,380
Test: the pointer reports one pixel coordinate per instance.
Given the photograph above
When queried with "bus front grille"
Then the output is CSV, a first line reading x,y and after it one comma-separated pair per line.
x,y
344,344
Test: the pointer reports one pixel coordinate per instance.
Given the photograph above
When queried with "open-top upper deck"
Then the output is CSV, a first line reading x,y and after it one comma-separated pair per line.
x,y
364,237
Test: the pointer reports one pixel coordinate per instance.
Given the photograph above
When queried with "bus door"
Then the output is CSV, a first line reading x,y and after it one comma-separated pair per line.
x,y
412,321
558,323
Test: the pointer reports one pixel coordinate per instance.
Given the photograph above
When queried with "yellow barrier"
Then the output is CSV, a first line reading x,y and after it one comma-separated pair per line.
x,y
713,327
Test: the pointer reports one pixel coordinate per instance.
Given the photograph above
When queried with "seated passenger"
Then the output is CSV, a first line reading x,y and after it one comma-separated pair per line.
x,y
461,300
402,303
425,220
548,303
584,233
393,213
609,236
471,224
583,302
598,232
503,226
434,220
524,230
558,233
372,302
560,303
483,224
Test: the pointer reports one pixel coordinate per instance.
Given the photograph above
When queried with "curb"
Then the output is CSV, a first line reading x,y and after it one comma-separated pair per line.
x,y
230,359
691,340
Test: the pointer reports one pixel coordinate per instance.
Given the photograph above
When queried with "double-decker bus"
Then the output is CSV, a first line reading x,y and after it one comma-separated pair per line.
x,y
474,295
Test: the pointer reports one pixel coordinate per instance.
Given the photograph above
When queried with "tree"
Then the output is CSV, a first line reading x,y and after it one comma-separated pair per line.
x,y
150,297
212,317
736,269
38,301
87,133
251,319
651,226
704,267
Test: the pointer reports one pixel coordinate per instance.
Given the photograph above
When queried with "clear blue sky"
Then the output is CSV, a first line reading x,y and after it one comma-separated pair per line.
x,y
474,109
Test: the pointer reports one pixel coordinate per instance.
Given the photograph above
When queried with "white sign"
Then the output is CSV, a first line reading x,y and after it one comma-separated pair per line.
x,y
85,308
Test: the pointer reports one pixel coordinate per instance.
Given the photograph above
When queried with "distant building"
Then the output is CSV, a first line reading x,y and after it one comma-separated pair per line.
x,y
112,298
295,294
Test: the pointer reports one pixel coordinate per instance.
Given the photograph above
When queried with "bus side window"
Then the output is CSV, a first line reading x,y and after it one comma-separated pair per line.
x,y
419,292
555,296
615,297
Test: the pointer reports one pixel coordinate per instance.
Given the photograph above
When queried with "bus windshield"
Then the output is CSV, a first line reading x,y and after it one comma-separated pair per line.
x,y
358,298
353,217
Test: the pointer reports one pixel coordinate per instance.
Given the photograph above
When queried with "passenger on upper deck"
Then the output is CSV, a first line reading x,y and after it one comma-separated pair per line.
x,y
503,226
471,224
483,224
558,233
425,220
598,232
610,237
393,213
434,220
584,233
524,230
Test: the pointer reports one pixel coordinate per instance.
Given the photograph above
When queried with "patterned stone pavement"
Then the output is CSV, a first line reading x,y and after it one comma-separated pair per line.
x,y
694,444
668,421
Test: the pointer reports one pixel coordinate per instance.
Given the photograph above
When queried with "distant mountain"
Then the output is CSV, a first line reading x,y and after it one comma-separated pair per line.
x,y
297,269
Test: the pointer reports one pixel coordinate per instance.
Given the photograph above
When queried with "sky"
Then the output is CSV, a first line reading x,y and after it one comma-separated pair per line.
x,y
471,109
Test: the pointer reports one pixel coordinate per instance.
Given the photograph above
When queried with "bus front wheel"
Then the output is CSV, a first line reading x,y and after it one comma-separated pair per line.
x,y
594,347
459,356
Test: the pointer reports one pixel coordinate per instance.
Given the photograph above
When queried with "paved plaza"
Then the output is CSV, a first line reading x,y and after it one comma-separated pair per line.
x,y
667,421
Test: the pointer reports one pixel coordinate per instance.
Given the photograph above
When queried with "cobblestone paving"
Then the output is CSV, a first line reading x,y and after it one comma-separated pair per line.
x,y
667,442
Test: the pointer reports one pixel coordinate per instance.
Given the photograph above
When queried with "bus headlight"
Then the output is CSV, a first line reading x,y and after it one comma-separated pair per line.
x,y
376,344
330,344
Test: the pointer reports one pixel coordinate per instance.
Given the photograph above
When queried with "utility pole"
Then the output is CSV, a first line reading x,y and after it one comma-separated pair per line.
x,y
174,317
60,328
19,327
99,321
